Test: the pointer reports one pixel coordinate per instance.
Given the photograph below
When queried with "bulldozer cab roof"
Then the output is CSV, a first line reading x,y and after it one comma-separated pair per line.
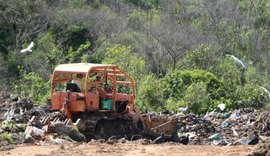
x,y
80,67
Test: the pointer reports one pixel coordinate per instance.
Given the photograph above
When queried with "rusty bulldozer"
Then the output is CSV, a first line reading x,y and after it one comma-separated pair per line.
x,y
100,100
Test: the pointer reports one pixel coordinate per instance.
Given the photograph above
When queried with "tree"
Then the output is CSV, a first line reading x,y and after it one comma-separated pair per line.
x,y
122,56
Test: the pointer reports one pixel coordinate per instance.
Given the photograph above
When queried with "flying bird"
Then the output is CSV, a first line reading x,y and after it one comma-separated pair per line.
x,y
29,48
238,62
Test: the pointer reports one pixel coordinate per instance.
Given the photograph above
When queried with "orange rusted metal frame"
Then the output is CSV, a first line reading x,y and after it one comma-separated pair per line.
x,y
111,72
105,69
114,82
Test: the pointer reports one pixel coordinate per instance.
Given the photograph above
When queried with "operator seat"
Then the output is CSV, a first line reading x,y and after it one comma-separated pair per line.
x,y
73,87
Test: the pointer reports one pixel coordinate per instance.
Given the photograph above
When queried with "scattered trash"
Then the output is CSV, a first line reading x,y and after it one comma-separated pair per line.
x,y
221,142
234,132
37,125
222,106
215,136
225,124
252,140
183,109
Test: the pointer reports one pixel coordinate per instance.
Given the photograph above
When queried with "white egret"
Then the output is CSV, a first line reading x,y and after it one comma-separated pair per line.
x,y
238,62
29,48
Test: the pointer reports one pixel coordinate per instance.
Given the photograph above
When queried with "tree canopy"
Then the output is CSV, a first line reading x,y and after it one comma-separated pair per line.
x,y
178,46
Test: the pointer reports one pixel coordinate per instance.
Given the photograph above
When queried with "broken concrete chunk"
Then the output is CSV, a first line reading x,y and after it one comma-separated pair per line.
x,y
75,135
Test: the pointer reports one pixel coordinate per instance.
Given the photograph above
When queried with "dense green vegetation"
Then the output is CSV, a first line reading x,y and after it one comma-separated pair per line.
x,y
175,49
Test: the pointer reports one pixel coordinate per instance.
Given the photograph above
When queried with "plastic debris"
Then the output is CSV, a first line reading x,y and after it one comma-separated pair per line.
x,y
222,106
215,136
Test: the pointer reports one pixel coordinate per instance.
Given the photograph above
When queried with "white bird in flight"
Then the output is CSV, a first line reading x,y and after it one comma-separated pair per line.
x,y
238,62
29,48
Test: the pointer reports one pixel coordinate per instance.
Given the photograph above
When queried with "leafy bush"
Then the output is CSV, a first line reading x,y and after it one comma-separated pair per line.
x,y
194,88
250,96
202,91
177,82
150,94
7,137
31,85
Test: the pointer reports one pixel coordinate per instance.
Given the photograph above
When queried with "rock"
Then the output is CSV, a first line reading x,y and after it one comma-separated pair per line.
x,y
4,143
136,137
34,132
27,104
14,97
260,153
17,138
122,140
143,141
60,128
60,141
75,135
18,118
29,139
252,140
99,140
111,142
221,142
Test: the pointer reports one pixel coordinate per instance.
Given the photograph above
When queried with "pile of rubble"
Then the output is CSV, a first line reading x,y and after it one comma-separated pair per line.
x,y
228,128
22,122
262,149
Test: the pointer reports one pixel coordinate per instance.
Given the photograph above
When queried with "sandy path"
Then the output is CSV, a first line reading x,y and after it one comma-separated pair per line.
x,y
104,149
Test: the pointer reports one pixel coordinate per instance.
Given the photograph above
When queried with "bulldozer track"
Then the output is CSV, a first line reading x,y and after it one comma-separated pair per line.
x,y
121,128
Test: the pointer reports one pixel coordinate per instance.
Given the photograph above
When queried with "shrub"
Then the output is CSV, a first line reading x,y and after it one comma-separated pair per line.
x,y
7,137
31,85
150,94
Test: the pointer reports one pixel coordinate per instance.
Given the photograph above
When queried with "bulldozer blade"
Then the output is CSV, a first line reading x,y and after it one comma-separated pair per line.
x,y
80,124
68,122
46,121
161,125
55,120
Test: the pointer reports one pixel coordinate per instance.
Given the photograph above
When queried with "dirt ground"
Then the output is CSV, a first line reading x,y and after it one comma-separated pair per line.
x,y
123,149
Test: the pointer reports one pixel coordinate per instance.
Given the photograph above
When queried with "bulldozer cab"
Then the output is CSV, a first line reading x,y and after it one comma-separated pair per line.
x,y
91,87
